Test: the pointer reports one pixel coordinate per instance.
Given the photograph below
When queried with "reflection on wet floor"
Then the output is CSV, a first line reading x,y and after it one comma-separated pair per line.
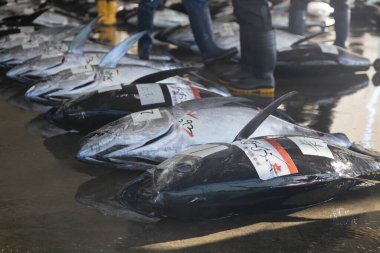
x,y
51,202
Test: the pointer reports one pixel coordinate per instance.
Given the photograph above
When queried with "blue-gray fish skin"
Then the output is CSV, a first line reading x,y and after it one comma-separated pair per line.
x,y
92,111
218,180
313,58
132,143
308,58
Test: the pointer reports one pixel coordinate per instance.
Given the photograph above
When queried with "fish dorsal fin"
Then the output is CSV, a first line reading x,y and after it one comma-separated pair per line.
x,y
162,75
307,38
30,18
252,126
79,41
111,59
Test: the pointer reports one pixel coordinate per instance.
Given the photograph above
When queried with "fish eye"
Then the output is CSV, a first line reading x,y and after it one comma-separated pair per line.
x,y
183,168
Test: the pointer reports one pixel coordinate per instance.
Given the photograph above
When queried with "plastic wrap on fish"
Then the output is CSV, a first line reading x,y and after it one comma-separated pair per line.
x,y
142,139
90,112
251,175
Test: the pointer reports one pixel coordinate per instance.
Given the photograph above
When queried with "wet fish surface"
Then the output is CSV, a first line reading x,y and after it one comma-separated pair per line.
x,y
89,112
260,174
142,139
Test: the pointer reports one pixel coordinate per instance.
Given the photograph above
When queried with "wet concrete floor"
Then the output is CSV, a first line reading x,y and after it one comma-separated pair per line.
x,y
49,202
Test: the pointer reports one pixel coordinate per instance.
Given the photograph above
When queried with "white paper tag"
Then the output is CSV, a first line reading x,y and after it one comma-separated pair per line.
x,y
26,29
108,88
18,36
329,49
150,94
190,124
92,58
28,11
268,157
311,146
30,44
81,69
182,93
51,54
204,150
284,49
146,115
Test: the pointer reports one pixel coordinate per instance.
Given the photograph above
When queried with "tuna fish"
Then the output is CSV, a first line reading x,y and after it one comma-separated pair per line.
x,y
75,82
86,79
146,138
260,174
296,54
55,46
54,61
29,34
89,112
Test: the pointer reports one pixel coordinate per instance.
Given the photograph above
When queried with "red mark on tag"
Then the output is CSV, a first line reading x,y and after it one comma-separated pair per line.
x,y
195,92
191,115
276,168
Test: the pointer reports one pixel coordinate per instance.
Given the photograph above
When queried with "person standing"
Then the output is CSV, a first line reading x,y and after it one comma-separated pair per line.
x,y
107,10
201,25
258,50
342,17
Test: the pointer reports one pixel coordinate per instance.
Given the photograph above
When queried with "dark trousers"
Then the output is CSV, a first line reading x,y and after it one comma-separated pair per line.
x,y
254,13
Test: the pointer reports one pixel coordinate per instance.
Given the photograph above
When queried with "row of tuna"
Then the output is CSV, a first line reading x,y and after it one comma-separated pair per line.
x,y
205,154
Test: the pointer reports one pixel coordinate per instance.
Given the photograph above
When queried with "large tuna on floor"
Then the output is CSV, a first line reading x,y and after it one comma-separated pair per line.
x,y
261,174
293,58
142,139
90,112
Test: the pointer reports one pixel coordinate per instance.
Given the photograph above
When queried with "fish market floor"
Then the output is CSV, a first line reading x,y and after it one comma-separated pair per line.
x,y
50,202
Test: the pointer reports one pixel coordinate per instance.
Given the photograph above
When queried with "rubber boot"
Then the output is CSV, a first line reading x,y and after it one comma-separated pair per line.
x,y
260,49
201,26
342,27
102,10
111,13
145,23
297,19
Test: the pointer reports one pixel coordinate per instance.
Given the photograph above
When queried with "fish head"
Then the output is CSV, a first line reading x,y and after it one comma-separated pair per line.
x,y
35,69
13,40
183,180
129,140
57,88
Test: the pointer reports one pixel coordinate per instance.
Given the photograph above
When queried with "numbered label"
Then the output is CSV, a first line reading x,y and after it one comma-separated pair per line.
x,y
26,29
111,76
30,44
92,59
150,94
268,157
182,93
190,124
138,117
18,36
311,146
51,54
28,11
329,49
